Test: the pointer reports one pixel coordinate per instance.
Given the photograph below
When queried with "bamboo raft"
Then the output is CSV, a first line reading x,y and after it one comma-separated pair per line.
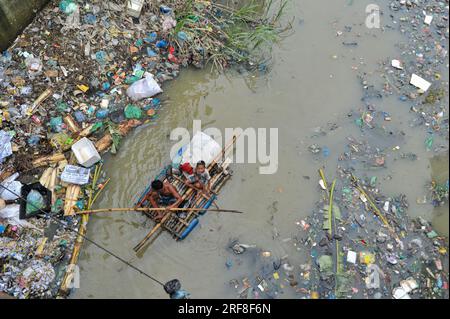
x,y
180,225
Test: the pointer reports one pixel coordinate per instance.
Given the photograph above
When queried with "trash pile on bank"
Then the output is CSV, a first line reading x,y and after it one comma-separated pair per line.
x,y
79,78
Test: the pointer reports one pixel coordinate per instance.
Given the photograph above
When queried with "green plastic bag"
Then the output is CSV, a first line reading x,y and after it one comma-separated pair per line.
x,y
326,264
133,112
35,202
429,142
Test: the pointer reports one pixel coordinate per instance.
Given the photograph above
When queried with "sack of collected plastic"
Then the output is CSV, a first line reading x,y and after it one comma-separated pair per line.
x,y
173,288
144,88
202,147
35,202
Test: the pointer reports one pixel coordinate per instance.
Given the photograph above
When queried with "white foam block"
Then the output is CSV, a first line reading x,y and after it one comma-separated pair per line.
x,y
428,19
420,83
397,64
351,257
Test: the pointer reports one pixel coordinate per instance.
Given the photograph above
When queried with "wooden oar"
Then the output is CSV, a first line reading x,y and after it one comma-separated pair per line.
x,y
109,210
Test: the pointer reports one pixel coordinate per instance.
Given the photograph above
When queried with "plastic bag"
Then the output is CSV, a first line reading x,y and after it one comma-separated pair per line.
x,y
72,20
133,112
5,145
11,213
34,66
202,147
56,124
35,202
68,6
13,185
168,24
2,75
144,88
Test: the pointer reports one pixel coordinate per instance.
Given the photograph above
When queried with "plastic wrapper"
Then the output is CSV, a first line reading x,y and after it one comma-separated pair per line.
x,y
35,201
144,88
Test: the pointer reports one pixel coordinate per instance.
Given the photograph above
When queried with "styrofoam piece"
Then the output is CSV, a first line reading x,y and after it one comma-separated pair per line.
x,y
351,257
420,83
400,293
409,284
85,152
134,7
428,19
397,64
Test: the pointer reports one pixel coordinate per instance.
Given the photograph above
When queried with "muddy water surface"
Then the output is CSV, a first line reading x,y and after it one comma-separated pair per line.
x,y
312,83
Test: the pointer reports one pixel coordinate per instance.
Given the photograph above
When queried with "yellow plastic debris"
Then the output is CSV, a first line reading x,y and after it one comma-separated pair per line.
x,y
366,258
83,87
314,295
276,276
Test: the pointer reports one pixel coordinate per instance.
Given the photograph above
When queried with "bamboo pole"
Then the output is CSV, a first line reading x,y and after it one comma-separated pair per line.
x,y
70,271
42,161
375,208
72,194
159,209
330,209
142,243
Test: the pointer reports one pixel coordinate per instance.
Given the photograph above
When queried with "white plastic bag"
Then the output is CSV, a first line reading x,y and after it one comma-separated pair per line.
x,y
169,23
144,88
5,145
12,214
13,185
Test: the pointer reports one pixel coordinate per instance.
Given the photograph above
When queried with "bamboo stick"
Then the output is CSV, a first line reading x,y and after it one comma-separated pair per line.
x,y
46,176
42,161
139,246
159,209
70,271
104,143
330,209
375,208
52,183
72,193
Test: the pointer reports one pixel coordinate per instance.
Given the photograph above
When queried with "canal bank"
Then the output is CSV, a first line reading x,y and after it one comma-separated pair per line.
x,y
15,16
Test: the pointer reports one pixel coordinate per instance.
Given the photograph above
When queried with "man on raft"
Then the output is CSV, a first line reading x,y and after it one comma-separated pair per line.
x,y
164,195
